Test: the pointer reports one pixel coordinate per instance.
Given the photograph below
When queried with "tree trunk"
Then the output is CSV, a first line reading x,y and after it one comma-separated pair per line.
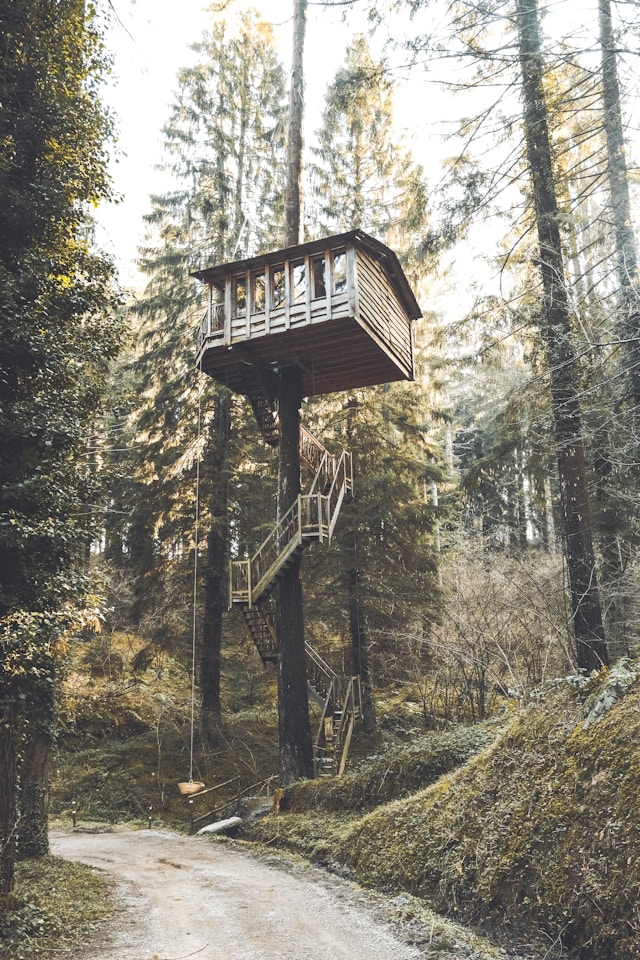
x,y
216,566
626,257
586,611
8,797
618,546
293,192
296,748
35,770
361,665
360,654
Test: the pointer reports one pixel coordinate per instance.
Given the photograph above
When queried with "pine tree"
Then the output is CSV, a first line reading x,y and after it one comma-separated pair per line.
x,y
385,575
224,141
481,38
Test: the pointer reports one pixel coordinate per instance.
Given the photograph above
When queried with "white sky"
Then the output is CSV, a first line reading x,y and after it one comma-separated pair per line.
x,y
150,41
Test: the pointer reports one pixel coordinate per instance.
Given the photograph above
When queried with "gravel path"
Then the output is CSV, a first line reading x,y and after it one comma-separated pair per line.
x,y
189,897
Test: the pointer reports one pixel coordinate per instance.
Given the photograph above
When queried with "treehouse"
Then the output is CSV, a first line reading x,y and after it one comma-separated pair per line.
x,y
340,309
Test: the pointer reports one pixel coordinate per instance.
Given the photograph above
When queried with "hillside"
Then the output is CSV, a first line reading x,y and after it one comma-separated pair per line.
x,y
525,826
535,837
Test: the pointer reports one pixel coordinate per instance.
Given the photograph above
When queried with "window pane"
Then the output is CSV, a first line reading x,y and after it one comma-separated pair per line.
x,y
319,278
277,288
339,273
299,280
240,297
257,302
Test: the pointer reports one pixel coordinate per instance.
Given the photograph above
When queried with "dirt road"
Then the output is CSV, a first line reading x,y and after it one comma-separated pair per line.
x,y
189,897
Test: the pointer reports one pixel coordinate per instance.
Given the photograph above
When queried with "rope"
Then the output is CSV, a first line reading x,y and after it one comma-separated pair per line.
x,y
195,591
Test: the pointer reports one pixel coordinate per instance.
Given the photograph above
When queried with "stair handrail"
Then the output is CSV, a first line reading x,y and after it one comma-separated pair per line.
x,y
341,484
313,515
346,723
251,578
320,663
312,451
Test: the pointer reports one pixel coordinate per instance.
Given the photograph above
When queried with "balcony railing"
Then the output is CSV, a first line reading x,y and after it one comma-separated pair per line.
x,y
212,323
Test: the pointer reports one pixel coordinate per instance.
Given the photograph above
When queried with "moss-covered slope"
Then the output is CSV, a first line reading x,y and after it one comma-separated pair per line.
x,y
538,832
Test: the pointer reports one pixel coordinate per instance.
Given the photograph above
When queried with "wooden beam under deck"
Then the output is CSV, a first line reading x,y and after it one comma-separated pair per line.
x,y
334,355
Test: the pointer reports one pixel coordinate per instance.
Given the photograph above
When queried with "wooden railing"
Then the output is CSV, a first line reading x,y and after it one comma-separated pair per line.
x,y
229,807
212,323
321,678
311,517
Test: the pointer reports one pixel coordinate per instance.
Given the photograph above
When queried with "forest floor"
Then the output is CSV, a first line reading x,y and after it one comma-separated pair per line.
x,y
180,897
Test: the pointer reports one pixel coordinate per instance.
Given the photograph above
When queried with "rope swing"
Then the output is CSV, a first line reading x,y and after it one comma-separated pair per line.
x,y
190,786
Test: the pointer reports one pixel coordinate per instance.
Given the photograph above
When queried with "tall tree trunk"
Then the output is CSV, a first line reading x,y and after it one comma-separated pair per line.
x,y
361,665
34,768
626,256
618,543
35,771
586,611
216,566
8,790
293,190
296,747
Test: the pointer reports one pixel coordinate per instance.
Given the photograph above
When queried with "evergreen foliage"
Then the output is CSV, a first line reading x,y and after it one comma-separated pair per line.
x,y
59,331
224,147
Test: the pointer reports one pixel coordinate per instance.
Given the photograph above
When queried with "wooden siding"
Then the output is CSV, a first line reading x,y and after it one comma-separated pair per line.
x,y
380,310
356,337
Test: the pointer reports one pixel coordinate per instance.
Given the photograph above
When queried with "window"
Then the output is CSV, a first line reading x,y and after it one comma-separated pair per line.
x,y
277,288
299,281
339,272
258,292
240,297
318,274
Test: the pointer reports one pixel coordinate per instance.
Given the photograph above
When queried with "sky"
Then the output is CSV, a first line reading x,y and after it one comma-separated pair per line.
x,y
149,41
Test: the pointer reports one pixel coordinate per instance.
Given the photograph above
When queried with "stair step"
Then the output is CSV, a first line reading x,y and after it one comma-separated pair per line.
x,y
266,417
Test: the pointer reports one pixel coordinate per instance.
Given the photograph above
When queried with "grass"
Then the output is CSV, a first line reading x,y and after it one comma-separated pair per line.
x,y
527,826
58,905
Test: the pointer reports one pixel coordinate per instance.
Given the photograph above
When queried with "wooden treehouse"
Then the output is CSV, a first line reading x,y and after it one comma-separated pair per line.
x,y
340,310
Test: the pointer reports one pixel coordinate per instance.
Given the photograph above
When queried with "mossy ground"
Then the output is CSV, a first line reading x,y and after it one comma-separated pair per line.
x,y
526,826
538,834
57,904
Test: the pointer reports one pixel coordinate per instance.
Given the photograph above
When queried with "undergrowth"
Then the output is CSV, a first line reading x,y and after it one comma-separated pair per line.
x,y
540,831
124,741
58,904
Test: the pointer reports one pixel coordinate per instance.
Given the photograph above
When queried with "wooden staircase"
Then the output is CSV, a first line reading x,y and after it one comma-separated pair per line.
x,y
312,518
340,700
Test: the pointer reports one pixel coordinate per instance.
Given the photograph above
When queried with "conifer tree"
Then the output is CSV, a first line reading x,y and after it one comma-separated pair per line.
x,y
295,745
481,37
224,142
365,178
